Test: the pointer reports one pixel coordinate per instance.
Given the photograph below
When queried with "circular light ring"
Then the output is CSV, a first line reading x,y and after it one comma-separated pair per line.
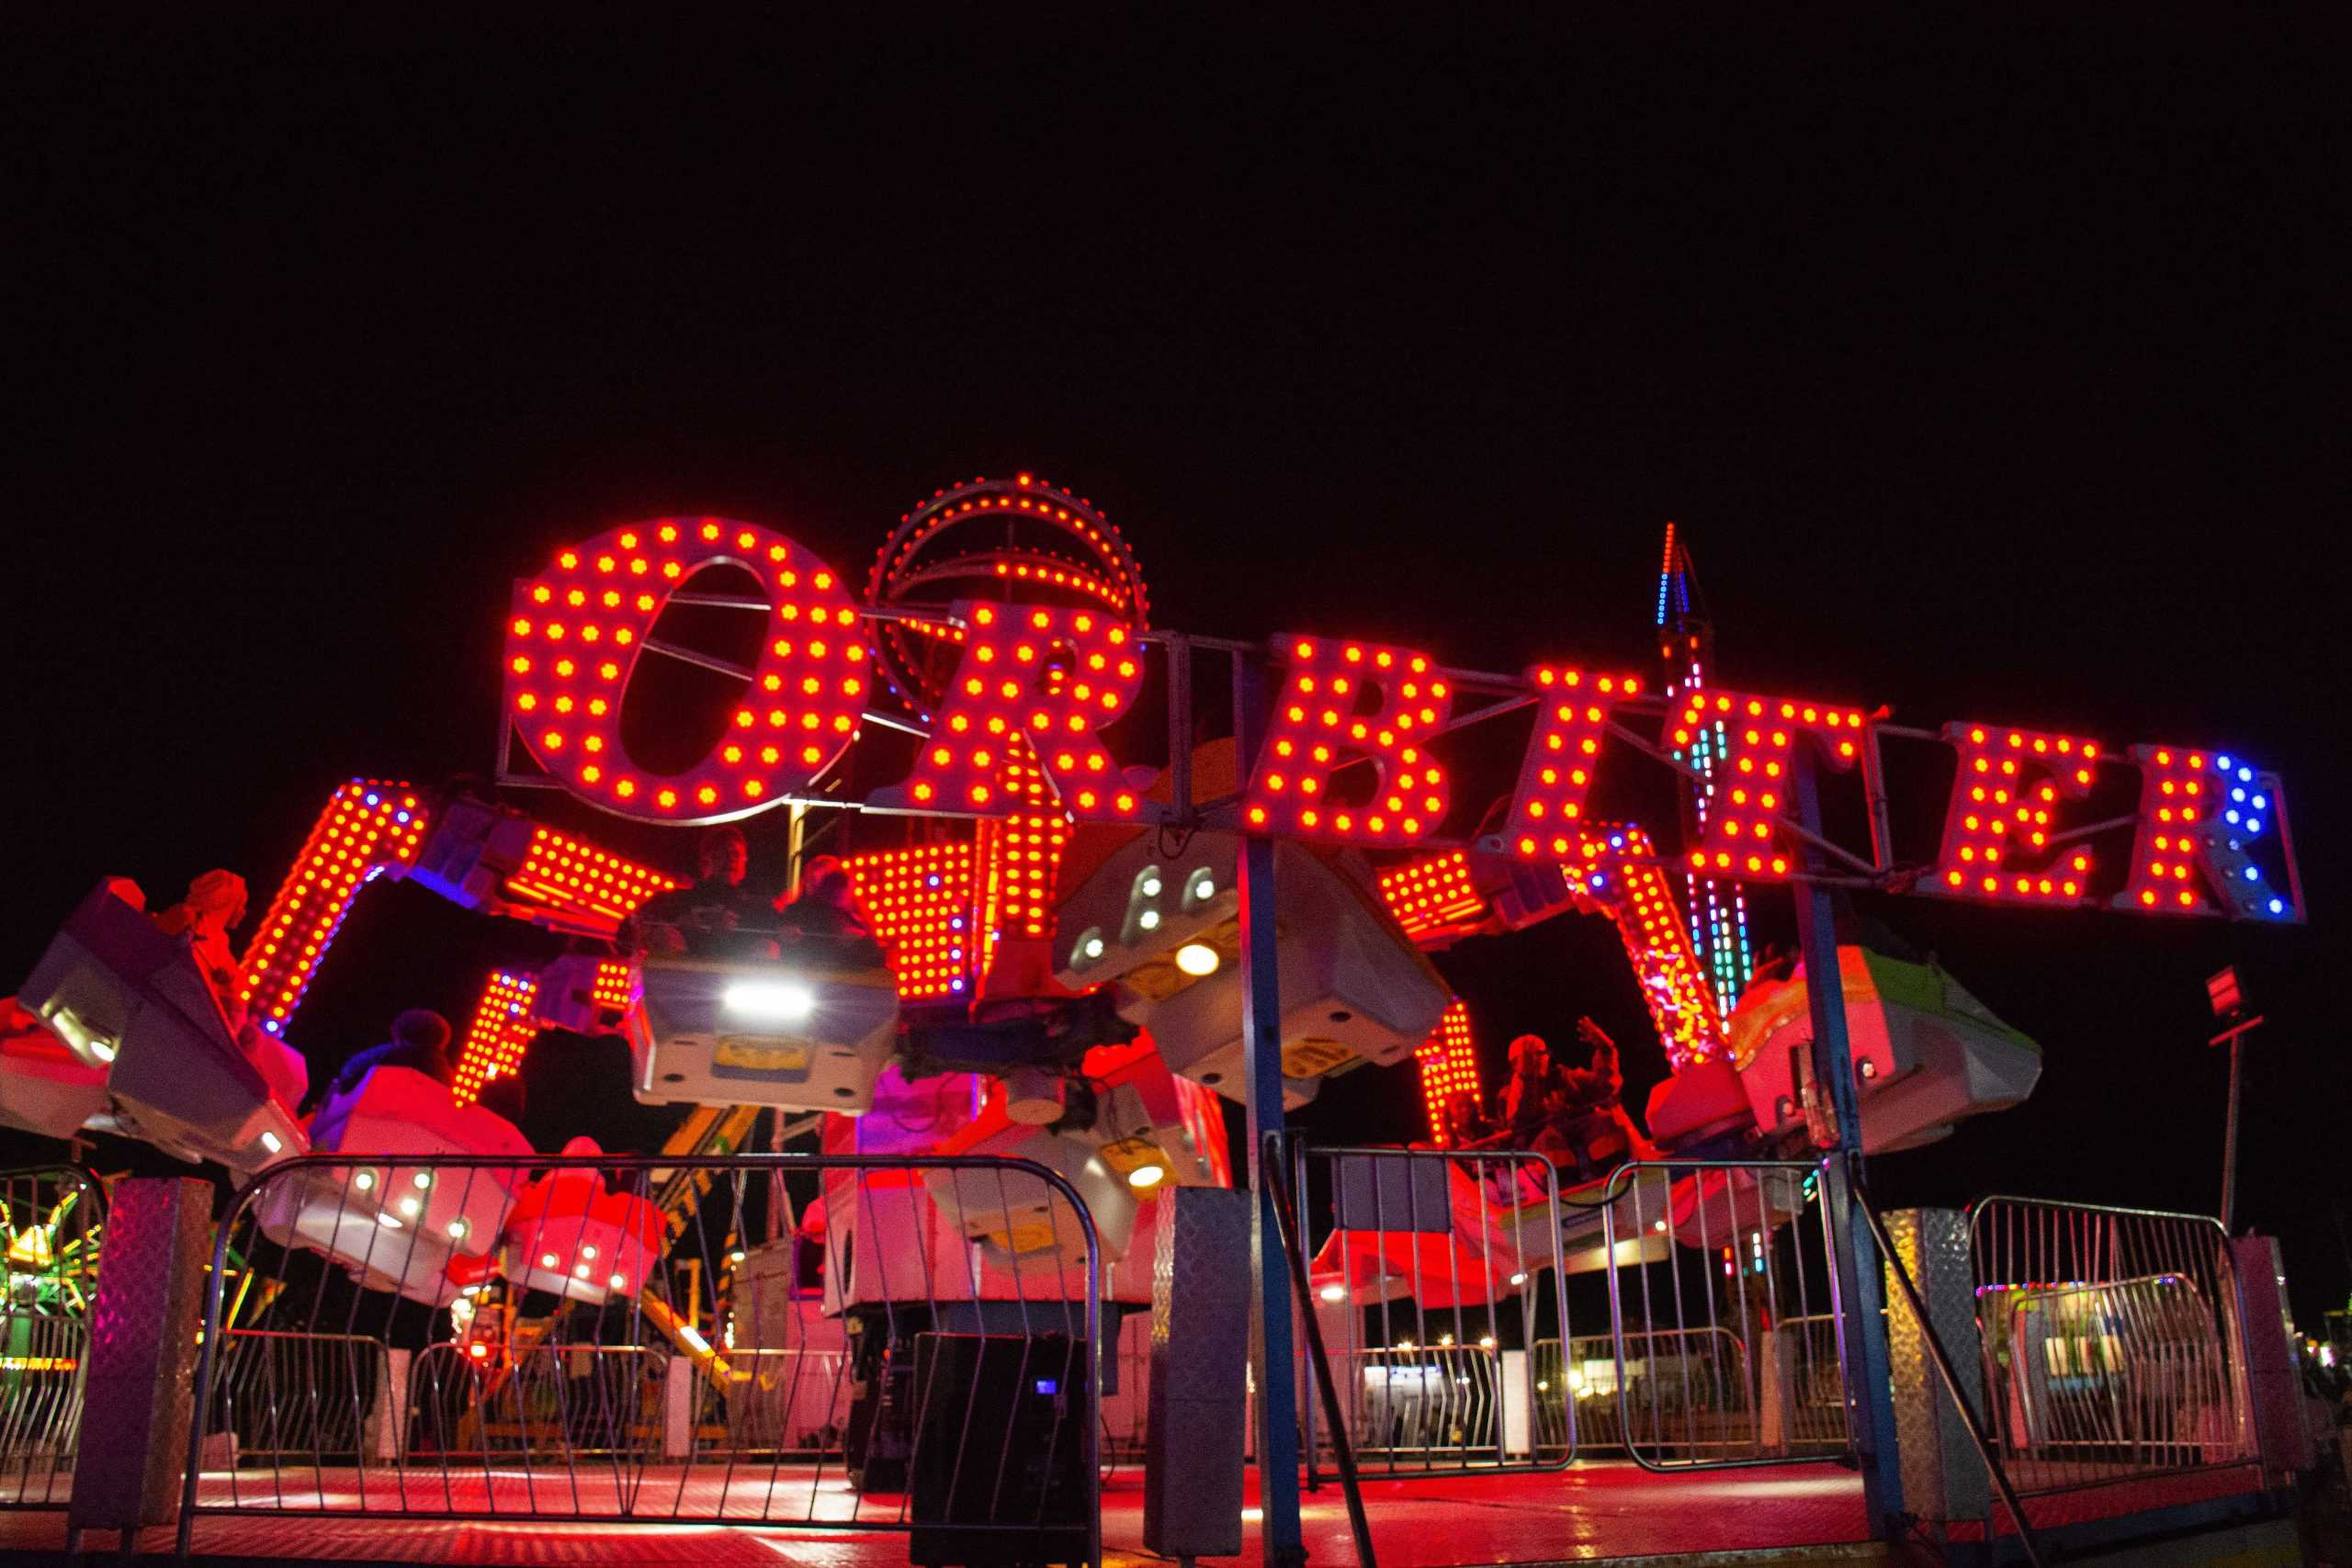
x,y
914,565
577,630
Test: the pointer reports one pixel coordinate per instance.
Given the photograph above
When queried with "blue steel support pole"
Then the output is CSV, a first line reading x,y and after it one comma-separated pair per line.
x,y
1861,1288
1272,1361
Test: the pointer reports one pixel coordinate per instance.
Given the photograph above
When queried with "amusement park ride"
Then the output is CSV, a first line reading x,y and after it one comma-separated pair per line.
x,y
1066,934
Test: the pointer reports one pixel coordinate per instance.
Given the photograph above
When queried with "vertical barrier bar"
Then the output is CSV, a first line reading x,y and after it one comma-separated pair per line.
x,y
1859,1291
142,1339
1942,1477
1280,1539
1200,1332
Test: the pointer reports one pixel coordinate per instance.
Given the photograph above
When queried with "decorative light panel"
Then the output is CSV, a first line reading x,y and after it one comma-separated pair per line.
x,y
1449,1062
369,825
1035,679
1024,857
578,627
1425,894
940,543
610,990
1556,771
564,874
1745,834
1657,944
501,1026
2199,816
923,903
1352,702
1998,830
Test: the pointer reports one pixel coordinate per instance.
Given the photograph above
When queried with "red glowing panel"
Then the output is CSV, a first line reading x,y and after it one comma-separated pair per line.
x,y
502,1025
1449,1062
610,990
2173,865
1023,858
1746,835
1556,775
1997,830
578,627
1657,944
1350,703
1425,894
368,824
922,902
564,874
1033,679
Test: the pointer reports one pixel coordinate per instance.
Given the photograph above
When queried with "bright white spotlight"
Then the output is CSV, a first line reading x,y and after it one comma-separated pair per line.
x,y
1197,958
1334,1292
782,1000
1147,1176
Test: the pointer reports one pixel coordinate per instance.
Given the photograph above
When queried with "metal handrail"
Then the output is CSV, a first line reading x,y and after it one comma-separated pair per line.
x,y
648,1166
1293,1241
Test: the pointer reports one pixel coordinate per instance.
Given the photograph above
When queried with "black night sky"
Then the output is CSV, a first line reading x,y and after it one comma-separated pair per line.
x,y
1990,375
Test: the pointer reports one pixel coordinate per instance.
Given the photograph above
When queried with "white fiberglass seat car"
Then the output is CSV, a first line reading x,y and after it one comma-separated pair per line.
x,y
125,998
389,1216
809,1032
571,1236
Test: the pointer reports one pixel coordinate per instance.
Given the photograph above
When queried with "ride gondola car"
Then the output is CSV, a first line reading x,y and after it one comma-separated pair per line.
x,y
808,1030
394,1217
127,998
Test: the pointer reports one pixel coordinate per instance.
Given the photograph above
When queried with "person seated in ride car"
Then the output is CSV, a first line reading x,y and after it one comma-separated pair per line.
x,y
825,906
703,921
214,907
420,1041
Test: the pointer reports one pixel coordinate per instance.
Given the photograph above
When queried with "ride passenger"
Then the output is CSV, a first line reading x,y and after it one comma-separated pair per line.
x,y
420,1041
825,906
702,920
214,907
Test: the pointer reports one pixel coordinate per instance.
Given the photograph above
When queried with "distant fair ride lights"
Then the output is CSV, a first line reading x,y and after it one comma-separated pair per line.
x,y
1063,937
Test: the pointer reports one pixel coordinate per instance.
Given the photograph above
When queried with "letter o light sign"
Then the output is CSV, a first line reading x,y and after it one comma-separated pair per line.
x,y
577,628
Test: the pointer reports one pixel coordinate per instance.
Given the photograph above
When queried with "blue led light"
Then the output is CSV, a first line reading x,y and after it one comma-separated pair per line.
x,y
930,882
2229,816
371,800
2278,908
2223,763
2237,795
2261,803
2253,874
2246,775
399,816
271,1025
2254,824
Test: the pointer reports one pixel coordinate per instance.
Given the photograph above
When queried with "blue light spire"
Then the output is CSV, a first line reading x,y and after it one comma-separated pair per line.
x,y
1686,642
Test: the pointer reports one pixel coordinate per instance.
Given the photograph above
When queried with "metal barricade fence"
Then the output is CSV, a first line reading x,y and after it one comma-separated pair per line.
x,y
1705,1259
1436,1272
655,1338
2111,1342
54,1218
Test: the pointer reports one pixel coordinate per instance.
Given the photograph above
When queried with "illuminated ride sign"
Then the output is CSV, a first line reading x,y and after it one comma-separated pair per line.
x,y
1353,749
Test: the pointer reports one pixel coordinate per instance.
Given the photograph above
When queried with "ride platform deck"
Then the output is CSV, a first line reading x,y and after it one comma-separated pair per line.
x,y
1597,1512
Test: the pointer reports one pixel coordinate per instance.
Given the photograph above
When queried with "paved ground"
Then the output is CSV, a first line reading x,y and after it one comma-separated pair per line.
x,y
1596,1512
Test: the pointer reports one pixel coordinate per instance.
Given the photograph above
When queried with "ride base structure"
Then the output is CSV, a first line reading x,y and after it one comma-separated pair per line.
x,y
1088,938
